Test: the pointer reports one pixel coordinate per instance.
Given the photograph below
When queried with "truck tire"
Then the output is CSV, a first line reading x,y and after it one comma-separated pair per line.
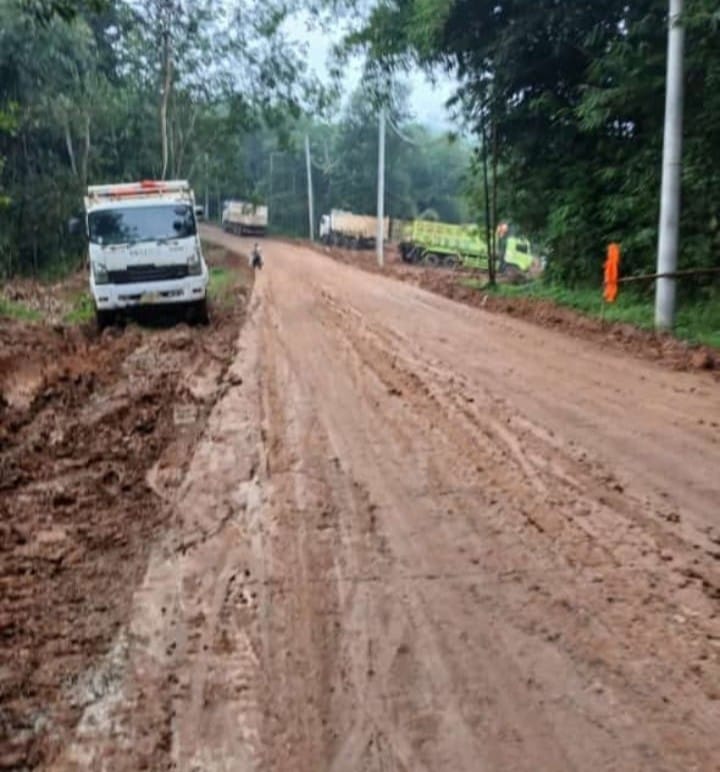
x,y
104,319
199,312
451,261
432,259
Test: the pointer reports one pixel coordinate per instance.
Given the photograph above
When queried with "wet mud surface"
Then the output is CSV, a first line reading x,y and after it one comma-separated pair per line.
x,y
84,420
386,531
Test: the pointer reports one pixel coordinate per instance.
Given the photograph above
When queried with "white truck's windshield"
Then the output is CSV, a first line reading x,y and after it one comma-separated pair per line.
x,y
147,223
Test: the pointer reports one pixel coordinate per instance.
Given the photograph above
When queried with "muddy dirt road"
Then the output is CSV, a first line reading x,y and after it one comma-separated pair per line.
x,y
95,435
418,536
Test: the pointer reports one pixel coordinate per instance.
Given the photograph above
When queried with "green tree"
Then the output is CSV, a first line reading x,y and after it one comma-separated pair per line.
x,y
574,91
107,90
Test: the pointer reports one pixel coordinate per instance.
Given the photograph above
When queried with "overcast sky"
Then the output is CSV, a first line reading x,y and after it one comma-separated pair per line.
x,y
426,99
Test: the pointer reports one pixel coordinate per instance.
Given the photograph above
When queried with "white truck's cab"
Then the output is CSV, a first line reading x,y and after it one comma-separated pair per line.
x,y
144,248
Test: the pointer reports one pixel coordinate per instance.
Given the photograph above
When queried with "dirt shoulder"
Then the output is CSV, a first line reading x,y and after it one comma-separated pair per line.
x,y
95,432
661,348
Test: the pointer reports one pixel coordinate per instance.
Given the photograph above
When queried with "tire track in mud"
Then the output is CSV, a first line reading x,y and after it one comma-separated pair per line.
x,y
351,754
371,353
333,521
137,697
425,634
540,455
379,563
357,661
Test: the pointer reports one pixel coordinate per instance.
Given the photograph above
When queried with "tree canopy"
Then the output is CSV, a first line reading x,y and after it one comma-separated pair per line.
x,y
211,90
107,90
575,92
566,94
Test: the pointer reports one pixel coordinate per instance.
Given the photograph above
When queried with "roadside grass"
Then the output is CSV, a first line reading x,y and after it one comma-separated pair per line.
x,y
221,285
59,270
696,322
14,310
82,310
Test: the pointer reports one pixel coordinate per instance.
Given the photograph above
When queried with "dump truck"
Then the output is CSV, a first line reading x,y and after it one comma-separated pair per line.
x,y
244,218
446,244
515,253
143,248
356,231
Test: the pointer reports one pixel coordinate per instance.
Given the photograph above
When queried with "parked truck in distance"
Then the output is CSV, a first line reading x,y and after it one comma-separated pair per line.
x,y
428,242
244,218
355,231
445,244
144,248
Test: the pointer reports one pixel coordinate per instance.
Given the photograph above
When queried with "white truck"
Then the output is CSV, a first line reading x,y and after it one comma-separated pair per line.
x,y
144,248
347,229
244,218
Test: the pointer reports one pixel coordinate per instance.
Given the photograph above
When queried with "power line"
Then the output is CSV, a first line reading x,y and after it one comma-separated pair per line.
x,y
409,141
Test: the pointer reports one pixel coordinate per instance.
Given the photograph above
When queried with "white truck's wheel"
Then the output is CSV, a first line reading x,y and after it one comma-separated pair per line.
x,y
104,319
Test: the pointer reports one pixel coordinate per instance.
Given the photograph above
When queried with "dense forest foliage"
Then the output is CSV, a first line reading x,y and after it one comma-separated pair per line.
x,y
570,95
210,90
426,174
114,90
564,100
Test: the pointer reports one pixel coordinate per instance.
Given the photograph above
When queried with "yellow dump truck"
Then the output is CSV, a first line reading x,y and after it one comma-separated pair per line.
x,y
446,244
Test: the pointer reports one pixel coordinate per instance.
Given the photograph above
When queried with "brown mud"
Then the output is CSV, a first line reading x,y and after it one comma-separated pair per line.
x,y
402,534
84,419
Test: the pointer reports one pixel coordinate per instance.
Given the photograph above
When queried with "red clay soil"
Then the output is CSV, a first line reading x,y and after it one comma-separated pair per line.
x,y
83,418
396,532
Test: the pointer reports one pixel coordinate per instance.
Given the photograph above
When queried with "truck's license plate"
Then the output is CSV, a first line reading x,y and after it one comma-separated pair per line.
x,y
149,297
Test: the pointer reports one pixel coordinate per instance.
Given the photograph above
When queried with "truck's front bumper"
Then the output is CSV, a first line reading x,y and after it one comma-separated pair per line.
x,y
109,297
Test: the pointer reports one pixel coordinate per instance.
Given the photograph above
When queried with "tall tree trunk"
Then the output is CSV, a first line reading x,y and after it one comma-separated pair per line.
x,y
176,143
167,68
70,149
86,154
183,142
172,145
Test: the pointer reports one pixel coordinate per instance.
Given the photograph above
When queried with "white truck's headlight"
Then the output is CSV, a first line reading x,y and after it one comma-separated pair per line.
x,y
195,264
100,273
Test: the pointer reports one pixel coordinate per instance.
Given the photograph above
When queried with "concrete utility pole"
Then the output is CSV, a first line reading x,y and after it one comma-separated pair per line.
x,y
671,171
380,234
311,207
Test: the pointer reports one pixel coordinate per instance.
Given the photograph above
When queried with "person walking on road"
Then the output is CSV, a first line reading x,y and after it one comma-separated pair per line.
x,y
256,260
